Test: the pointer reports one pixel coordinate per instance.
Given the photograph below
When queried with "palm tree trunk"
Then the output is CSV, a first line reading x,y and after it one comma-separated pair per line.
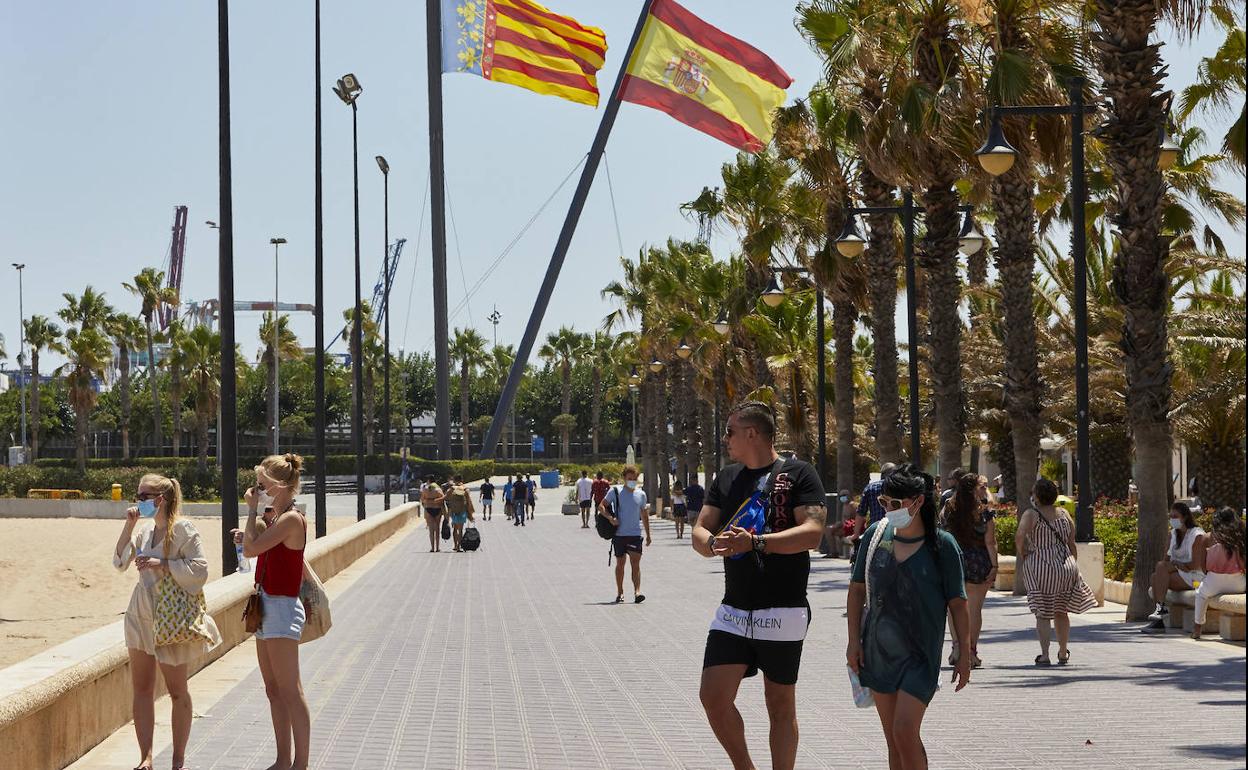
x,y
175,394
1132,76
1015,259
689,413
881,262
80,436
124,351
370,413
201,420
463,404
157,418
706,419
595,413
649,436
843,317
939,258
566,432
270,419
667,441
34,403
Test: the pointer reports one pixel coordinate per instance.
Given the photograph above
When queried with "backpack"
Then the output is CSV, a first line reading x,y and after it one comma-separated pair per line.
x,y
471,539
606,530
457,500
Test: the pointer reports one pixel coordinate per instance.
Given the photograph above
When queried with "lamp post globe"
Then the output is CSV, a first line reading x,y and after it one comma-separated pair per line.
x,y
684,350
656,365
850,243
773,295
970,239
996,156
721,325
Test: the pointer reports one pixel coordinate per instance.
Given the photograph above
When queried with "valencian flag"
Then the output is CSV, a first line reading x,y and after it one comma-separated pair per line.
x,y
705,78
524,44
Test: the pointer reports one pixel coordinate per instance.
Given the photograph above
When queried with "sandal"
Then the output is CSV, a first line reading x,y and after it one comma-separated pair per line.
x,y
619,599
975,661
639,598
1043,661
1063,658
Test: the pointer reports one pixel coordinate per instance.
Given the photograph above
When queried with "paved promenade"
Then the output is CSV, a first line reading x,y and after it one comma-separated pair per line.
x,y
512,657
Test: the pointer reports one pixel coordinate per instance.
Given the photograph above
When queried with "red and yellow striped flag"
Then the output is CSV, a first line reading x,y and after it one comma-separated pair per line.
x,y
705,78
524,44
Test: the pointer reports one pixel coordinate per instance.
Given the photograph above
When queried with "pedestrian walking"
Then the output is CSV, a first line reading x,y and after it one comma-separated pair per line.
x,y
166,624
680,513
599,491
279,574
695,498
836,528
519,499
431,500
869,502
532,499
968,518
507,504
487,500
1224,564
1181,570
628,510
908,578
1046,546
459,507
762,515
584,497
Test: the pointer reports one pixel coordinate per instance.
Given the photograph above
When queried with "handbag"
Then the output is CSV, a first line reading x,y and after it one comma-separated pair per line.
x,y
862,695
179,614
253,610
315,606
446,528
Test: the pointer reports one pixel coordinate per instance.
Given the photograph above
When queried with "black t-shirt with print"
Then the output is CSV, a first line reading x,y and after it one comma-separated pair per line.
x,y
775,580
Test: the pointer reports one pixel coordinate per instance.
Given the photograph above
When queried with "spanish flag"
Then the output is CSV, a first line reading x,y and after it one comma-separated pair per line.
x,y
524,44
705,78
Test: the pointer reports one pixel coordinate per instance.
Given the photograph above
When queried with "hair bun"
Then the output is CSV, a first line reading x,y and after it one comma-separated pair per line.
x,y
295,461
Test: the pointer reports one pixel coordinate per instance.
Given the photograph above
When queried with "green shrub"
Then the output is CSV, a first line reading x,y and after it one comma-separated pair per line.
x,y
1006,527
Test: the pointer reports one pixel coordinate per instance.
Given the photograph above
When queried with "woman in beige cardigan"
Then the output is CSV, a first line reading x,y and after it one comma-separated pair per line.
x,y
171,547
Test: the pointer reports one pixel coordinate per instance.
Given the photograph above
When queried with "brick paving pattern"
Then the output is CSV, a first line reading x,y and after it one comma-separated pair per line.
x,y
512,657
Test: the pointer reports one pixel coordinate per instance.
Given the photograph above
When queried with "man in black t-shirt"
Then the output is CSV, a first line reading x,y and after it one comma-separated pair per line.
x,y
487,499
763,515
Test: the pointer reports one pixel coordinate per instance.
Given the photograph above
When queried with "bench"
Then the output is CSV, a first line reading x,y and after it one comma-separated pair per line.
x,y
56,494
1226,611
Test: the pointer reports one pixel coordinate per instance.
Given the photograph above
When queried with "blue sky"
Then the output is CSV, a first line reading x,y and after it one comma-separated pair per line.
x,y
111,120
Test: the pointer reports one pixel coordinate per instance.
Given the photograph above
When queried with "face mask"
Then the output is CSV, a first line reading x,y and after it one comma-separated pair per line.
x,y
900,518
844,498
631,483
1176,524
147,508
1033,502
265,500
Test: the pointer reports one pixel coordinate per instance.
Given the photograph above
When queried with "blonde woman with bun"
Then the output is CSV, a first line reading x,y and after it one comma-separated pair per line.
x,y
171,547
279,573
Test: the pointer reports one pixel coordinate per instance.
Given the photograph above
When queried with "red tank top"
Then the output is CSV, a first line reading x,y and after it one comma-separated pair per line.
x,y
279,570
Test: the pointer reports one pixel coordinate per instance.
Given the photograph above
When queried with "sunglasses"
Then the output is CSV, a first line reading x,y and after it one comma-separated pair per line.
x,y
887,502
145,496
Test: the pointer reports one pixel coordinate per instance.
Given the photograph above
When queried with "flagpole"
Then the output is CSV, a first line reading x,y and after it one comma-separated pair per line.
x,y
437,172
561,246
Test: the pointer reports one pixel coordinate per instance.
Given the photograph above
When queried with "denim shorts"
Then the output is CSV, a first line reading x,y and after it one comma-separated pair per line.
x,y
283,617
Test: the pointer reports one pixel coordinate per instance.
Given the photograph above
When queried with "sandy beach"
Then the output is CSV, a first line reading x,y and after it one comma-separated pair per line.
x,y
57,579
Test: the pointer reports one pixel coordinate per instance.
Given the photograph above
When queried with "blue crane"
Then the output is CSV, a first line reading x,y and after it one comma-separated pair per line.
x,y
378,303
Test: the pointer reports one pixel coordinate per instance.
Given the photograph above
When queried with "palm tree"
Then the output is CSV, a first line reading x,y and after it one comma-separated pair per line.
x,y
497,368
287,350
603,355
175,361
41,334
468,348
1220,85
87,349
563,348
149,287
370,362
126,332
201,355
784,334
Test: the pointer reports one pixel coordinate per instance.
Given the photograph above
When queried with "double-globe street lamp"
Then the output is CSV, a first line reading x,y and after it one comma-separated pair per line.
x,y
348,90
997,156
850,244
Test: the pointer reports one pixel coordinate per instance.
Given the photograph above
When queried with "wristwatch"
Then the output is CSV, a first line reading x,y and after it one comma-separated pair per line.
x,y
760,547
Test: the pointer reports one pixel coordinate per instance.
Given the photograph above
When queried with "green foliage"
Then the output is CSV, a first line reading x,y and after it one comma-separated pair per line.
x,y
1006,528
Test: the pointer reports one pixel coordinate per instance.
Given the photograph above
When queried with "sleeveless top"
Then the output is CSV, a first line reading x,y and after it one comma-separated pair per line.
x,y
279,570
1222,561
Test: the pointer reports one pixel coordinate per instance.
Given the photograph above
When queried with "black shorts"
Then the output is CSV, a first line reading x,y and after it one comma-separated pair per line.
x,y
626,544
585,505
679,511
779,661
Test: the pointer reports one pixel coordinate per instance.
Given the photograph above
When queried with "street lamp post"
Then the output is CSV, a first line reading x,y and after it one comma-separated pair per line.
x,y
318,377
277,244
850,244
228,423
385,303
997,156
348,90
21,350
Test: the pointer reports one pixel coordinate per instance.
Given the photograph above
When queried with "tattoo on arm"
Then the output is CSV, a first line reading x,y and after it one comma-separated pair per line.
x,y
818,513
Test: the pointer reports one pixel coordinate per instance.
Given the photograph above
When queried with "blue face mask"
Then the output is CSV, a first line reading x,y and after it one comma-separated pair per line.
x,y
147,508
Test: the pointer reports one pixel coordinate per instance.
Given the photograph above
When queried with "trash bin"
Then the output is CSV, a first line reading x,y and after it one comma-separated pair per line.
x,y
413,495
116,492
550,479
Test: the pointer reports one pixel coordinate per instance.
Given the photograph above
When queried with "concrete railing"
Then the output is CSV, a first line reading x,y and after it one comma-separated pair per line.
x,y
57,705
32,508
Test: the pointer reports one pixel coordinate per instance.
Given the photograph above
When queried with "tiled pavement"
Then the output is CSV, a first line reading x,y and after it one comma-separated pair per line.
x,y
511,658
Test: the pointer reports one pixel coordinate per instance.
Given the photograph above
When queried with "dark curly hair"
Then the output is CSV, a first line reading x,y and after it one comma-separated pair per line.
x,y
911,481
961,511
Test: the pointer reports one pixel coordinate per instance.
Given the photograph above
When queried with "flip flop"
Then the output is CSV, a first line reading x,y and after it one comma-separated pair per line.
x,y
639,599
1043,661
1063,659
619,599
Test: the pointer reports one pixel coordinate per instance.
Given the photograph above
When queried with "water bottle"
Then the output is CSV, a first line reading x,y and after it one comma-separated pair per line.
x,y
862,695
244,564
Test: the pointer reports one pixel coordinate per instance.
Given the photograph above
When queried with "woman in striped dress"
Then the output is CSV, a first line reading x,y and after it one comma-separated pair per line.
x,y
1046,546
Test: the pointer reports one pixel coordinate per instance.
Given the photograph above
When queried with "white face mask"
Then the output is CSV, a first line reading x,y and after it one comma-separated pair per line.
x,y
264,500
1176,524
631,483
900,518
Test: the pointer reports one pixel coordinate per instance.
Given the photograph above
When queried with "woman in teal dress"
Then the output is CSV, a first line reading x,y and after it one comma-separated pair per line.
x,y
915,576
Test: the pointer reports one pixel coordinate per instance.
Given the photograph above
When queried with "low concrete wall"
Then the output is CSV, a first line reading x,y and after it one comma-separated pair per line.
x,y
56,705
28,508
